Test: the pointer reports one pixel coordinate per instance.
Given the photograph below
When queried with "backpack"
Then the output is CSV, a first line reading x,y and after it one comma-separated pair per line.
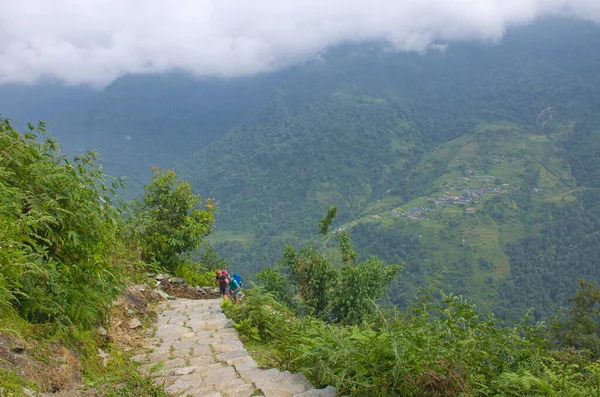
x,y
233,284
238,278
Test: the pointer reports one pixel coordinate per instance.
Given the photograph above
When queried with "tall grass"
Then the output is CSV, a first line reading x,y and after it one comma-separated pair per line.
x,y
440,348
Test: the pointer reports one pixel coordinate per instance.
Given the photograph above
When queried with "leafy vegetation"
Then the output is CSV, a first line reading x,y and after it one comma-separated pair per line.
x,y
376,131
341,294
324,319
67,252
475,169
436,347
389,144
58,231
170,220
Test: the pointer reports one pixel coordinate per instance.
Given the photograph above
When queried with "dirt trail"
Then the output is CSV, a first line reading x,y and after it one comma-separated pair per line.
x,y
196,352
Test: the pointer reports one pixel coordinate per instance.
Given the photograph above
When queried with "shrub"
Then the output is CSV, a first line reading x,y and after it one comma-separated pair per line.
x,y
171,219
58,228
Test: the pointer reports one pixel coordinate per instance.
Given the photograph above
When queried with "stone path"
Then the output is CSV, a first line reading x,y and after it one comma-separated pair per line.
x,y
196,351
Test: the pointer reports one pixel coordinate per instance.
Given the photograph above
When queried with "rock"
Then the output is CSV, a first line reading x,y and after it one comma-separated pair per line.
x,y
241,390
137,288
163,295
285,384
18,347
102,331
139,358
195,351
104,355
136,304
184,371
231,355
329,391
134,323
29,392
177,280
161,277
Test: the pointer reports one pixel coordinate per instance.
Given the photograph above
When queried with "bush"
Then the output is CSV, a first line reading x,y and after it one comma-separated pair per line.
x,y
171,220
433,349
195,274
58,228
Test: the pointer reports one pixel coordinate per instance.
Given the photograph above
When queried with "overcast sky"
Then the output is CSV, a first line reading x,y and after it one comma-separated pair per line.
x,y
95,41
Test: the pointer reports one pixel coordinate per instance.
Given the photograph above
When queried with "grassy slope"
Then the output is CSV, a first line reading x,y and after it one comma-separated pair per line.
x,y
449,234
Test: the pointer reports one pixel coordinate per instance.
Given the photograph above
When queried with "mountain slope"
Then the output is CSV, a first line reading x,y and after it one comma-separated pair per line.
x,y
373,131
384,130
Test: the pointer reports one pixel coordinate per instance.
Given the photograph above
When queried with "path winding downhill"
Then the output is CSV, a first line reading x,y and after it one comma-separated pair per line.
x,y
196,352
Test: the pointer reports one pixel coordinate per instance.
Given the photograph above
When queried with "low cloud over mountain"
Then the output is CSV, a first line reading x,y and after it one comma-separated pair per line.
x,y
95,41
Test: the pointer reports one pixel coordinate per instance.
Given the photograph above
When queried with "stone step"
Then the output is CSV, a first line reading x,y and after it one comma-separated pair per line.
x,y
329,391
203,392
223,357
284,384
256,374
243,390
195,351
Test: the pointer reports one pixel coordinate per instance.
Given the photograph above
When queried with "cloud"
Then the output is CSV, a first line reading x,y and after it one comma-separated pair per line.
x,y
96,41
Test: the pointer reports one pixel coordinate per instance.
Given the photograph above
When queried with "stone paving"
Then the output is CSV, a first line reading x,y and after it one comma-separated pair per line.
x,y
196,352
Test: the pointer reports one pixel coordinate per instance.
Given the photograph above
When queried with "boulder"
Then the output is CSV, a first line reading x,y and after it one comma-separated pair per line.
x,y
177,280
134,323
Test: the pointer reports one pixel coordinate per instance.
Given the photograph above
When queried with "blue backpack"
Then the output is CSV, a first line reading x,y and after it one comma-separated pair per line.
x,y
233,285
238,278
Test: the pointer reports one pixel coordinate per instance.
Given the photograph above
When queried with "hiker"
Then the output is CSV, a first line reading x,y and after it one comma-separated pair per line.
x,y
223,281
235,288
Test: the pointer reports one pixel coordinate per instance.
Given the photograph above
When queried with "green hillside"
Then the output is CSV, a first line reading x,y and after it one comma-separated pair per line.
x,y
378,133
476,207
387,136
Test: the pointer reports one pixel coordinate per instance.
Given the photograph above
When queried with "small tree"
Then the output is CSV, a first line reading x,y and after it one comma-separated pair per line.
x,y
325,222
171,218
581,329
342,294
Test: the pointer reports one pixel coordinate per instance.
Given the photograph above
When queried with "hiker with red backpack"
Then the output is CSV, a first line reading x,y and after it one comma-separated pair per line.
x,y
223,281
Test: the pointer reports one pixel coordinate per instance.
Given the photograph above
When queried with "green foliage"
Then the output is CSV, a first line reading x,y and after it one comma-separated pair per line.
x,y
581,329
397,138
58,228
195,274
349,256
278,285
11,385
442,348
343,294
120,378
314,277
199,268
358,289
171,219
325,222
261,317
209,258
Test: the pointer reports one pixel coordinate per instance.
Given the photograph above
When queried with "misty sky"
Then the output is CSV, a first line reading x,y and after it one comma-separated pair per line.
x,y
95,41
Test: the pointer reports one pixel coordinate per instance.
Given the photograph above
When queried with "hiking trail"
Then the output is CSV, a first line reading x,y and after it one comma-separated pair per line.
x,y
195,351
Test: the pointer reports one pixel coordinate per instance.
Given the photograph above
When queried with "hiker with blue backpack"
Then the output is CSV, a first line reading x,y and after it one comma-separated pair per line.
x,y
235,287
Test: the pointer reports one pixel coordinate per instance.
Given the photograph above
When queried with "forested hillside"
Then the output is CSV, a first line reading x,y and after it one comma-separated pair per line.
x,y
74,271
405,143
473,165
